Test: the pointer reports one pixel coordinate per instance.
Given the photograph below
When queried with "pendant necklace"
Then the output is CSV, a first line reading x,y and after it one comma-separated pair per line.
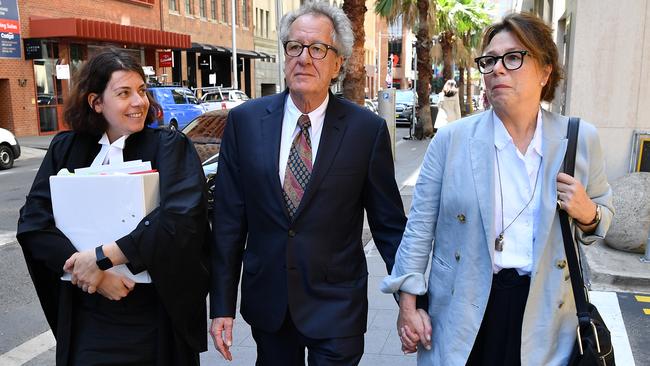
x,y
499,241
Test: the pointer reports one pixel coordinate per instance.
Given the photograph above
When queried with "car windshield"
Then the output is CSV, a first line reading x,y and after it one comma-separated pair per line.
x,y
404,96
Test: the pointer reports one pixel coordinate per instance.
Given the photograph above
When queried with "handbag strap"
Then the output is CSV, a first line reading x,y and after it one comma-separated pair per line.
x,y
577,282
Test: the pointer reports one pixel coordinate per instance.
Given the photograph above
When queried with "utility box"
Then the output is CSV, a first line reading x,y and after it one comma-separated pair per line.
x,y
386,101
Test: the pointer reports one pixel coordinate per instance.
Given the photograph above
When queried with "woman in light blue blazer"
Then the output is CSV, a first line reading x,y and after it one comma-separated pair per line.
x,y
484,216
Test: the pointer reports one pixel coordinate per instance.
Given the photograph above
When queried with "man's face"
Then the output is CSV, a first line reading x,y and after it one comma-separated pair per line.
x,y
307,77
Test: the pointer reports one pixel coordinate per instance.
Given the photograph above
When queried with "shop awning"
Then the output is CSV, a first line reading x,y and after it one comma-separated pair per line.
x,y
104,31
205,48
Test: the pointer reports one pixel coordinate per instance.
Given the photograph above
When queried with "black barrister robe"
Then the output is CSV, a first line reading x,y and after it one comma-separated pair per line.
x,y
170,243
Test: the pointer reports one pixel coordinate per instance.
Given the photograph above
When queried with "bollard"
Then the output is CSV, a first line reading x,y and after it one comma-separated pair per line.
x,y
646,257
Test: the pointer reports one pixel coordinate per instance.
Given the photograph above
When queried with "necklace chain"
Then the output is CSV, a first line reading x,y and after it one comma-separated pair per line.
x,y
498,243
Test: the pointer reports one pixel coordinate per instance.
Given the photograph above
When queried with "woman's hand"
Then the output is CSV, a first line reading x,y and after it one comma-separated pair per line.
x,y
572,198
115,286
413,325
83,268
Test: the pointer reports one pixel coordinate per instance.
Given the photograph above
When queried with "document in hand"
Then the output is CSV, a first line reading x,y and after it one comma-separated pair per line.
x,y
98,209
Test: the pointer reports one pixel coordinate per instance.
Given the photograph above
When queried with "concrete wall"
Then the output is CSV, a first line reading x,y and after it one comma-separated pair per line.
x,y
609,73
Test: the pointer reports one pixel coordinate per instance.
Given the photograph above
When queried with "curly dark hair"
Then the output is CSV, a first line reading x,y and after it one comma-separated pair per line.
x,y
93,77
537,37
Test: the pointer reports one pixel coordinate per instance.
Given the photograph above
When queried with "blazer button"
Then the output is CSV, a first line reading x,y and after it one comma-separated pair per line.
x,y
292,233
146,223
461,218
560,264
457,257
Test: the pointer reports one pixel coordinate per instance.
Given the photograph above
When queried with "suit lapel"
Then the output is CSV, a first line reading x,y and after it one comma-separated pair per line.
x,y
333,131
482,160
553,150
271,135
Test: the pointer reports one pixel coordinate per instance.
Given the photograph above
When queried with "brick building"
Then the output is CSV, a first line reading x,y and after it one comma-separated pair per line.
x,y
62,34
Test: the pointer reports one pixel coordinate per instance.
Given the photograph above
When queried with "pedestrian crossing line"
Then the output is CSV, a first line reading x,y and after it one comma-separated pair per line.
x,y
28,350
641,298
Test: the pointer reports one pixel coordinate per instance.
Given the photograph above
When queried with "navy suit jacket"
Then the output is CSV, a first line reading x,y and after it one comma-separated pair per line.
x,y
314,265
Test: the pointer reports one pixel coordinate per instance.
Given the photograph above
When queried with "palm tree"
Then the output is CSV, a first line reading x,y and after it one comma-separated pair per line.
x,y
355,75
456,18
419,14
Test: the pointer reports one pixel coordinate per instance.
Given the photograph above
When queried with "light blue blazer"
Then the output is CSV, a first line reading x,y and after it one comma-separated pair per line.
x,y
451,223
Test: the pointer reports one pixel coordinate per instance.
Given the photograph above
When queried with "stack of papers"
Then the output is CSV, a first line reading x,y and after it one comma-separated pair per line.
x,y
98,205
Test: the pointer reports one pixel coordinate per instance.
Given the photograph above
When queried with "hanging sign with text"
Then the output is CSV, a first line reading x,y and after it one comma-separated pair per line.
x,y
9,30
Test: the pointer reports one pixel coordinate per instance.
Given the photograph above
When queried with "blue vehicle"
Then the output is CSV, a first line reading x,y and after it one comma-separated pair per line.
x,y
179,105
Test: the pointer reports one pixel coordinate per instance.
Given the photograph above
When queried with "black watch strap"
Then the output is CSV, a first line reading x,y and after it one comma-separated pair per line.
x,y
103,262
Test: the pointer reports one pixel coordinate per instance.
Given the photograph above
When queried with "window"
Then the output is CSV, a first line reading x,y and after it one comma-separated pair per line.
x,y
173,6
179,97
188,7
244,13
266,24
202,12
236,10
213,9
224,11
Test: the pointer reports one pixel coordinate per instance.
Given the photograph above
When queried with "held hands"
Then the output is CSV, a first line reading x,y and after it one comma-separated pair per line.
x,y
572,198
221,332
413,325
83,268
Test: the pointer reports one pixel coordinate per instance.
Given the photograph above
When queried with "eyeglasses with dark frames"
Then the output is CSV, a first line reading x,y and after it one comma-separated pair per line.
x,y
511,61
317,50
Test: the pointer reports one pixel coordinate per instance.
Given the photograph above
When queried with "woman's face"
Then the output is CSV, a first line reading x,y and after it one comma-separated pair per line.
x,y
513,88
123,103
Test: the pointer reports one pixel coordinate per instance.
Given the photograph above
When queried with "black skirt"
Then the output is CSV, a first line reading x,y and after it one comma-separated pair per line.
x,y
133,331
498,341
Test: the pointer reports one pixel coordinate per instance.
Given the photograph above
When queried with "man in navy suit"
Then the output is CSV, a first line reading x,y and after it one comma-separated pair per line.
x,y
296,171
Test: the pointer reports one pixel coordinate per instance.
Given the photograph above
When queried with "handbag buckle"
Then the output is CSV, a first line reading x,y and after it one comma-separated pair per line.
x,y
593,328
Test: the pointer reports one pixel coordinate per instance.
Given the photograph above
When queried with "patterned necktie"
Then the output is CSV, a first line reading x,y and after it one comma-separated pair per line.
x,y
299,167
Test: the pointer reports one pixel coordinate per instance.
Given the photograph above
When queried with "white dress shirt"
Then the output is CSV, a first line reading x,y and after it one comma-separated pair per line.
x,y
518,173
110,153
290,129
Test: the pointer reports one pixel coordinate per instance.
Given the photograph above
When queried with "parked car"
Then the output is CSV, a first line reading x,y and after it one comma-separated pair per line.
x,y
205,132
404,102
179,105
9,149
222,98
371,106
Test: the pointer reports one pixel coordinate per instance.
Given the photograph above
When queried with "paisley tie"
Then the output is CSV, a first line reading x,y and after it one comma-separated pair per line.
x,y
299,167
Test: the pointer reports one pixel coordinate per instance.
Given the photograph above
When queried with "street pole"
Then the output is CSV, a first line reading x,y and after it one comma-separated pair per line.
x,y
234,46
280,58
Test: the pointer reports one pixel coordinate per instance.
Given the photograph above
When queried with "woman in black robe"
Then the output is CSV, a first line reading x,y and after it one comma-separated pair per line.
x,y
100,317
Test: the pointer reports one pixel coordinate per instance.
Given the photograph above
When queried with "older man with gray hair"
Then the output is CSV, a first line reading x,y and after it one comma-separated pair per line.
x,y
296,171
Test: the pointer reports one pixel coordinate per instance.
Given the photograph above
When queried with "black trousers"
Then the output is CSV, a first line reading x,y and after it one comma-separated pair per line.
x,y
135,330
286,347
499,339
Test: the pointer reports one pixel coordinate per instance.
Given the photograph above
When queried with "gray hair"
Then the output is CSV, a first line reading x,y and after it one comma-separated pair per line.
x,y
342,36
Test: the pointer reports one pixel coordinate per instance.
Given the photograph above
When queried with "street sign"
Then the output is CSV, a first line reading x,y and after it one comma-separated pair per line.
x,y
9,30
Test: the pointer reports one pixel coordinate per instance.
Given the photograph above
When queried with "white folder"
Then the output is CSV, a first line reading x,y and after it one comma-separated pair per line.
x,y
99,209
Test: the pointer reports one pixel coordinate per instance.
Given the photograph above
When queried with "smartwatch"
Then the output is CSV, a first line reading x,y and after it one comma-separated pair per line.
x,y
103,262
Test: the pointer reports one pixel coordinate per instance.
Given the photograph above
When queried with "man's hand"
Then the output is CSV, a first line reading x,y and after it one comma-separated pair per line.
x,y
413,325
83,268
221,332
115,286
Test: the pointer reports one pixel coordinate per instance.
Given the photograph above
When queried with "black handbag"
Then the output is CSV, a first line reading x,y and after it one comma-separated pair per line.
x,y
593,344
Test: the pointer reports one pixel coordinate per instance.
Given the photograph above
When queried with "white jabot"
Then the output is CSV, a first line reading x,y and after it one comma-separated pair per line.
x,y
110,153
290,129
518,175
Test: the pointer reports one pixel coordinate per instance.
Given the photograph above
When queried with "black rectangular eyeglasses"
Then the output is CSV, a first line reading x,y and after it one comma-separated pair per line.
x,y
511,61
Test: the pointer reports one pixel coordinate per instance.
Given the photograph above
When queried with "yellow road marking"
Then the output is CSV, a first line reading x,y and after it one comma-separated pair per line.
x,y
646,311
640,298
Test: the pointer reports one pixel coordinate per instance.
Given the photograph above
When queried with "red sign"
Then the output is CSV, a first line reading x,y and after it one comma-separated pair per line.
x,y
165,59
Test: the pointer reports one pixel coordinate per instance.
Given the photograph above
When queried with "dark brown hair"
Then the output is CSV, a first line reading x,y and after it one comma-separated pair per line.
x,y
537,37
93,77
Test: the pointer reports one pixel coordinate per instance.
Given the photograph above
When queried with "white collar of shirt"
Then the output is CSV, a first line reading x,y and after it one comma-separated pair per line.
x,y
518,173
290,129
503,138
110,153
